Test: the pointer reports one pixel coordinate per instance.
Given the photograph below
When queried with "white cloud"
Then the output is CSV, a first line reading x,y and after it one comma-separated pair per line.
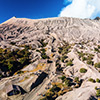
x,y
81,9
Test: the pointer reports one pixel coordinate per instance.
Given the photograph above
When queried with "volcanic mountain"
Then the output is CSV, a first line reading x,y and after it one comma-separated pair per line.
x,y
50,59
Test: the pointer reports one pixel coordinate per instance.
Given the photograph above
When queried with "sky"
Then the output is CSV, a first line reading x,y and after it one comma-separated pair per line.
x,y
81,9
36,9
33,9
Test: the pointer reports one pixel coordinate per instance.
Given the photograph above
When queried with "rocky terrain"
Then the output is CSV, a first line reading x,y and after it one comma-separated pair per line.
x,y
50,59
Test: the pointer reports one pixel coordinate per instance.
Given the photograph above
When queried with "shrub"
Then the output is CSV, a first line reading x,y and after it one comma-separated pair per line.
x,y
10,66
97,65
97,80
96,88
83,70
84,58
55,88
63,78
44,56
64,49
67,82
63,58
98,93
81,54
43,50
70,63
90,57
49,94
96,49
27,47
89,62
76,79
91,80
24,61
12,61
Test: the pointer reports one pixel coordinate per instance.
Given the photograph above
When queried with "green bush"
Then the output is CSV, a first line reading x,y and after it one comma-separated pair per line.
x,y
24,61
97,65
43,50
70,63
96,49
81,54
98,93
68,82
63,58
64,49
91,80
76,79
55,88
83,70
10,66
97,80
63,78
89,62
84,58
96,88
44,56
90,56
12,61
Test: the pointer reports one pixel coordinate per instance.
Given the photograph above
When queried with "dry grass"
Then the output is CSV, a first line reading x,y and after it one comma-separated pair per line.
x,y
24,79
40,66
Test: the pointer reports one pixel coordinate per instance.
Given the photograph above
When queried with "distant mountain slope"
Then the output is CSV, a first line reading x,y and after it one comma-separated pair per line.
x,y
50,59
62,28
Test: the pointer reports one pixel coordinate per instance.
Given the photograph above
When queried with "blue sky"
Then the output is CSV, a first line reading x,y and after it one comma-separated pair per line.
x,y
30,8
36,9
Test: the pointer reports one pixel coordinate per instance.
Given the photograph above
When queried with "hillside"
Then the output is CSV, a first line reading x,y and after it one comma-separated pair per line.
x,y
50,59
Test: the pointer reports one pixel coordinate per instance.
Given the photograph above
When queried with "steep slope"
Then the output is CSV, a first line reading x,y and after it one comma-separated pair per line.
x,y
47,58
69,29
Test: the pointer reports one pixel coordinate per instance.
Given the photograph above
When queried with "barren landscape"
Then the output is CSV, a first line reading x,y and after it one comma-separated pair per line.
x,y
50,59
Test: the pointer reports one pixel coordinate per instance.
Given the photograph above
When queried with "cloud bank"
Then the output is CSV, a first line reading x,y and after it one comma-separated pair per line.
x,y
81,9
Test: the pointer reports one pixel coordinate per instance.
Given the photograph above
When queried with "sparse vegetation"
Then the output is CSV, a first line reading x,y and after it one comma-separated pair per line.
x,y
64,49
52,93
98,80
76,79
12,61
97,65
63,78
98,92
96,88
86,57
70,63
63,58
83,70
89,62
68,82
91,80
